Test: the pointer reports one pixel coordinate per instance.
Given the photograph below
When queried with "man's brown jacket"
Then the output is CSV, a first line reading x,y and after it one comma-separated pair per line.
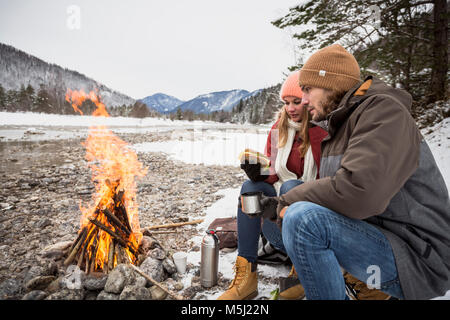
x,y
377,167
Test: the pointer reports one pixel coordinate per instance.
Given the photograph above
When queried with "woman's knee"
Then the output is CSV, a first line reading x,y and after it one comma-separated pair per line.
x,y
251,186
247,185
288,185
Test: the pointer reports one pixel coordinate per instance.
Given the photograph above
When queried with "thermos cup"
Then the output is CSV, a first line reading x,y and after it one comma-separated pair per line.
x,y
250,203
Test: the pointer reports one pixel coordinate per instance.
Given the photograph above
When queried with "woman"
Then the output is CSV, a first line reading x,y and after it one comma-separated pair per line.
x,y
293,147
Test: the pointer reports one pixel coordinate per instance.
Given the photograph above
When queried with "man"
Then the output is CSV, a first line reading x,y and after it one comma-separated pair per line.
x,y
380,209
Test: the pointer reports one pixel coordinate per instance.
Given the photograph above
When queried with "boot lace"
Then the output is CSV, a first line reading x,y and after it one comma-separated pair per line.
x,y
240,272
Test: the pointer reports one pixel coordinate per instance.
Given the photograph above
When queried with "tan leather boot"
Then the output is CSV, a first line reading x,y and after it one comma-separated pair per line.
x,y
245,283
290,287
358,290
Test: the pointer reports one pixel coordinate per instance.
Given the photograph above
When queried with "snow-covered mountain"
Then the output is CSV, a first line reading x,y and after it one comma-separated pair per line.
x,y
20,68
205,103
215,101
161,102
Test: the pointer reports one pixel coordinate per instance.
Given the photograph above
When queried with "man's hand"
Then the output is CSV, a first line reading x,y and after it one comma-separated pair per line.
x,y
281,210
269,207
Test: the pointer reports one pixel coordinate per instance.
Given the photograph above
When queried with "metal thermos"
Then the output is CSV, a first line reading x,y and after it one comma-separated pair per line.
x,y
209,265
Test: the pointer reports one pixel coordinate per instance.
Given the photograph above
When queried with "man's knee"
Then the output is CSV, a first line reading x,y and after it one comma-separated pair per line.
x,y
304,216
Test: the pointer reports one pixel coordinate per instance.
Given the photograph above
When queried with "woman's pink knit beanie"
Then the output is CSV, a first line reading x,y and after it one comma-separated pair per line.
x,y
291,87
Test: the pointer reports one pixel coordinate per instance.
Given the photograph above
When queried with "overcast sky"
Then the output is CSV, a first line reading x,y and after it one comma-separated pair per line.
x,y
181,48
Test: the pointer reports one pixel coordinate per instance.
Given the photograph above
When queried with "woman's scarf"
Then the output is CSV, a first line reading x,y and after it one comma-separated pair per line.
x,y
309,168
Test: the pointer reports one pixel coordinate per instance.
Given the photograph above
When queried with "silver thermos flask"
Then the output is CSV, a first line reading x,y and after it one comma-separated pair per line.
x,y
209,265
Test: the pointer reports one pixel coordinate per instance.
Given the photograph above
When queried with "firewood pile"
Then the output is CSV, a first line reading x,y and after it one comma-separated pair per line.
x,y
107,240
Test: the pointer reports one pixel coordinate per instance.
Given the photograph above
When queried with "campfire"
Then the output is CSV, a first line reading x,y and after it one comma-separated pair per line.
x,y
110,232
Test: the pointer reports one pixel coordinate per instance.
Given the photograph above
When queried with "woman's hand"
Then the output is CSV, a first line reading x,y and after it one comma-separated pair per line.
x,y
253,171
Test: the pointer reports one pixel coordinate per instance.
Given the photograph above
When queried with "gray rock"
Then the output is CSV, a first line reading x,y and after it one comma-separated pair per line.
x,y
172,284
154,268
169,266
157,253
140,281
54,254
25,186
121,276
55,286
91,295
95,283
5,205
73,279
39,283
10,289
35,295
157,293
148,243
34,272
59,246
44,222
67,294
135,292
103,295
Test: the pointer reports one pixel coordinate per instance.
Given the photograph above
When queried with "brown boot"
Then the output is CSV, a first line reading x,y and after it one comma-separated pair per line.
x,y
358,290
245,283
290,287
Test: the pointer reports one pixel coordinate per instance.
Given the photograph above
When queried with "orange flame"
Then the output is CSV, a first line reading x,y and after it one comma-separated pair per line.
x,y
114,167
78,97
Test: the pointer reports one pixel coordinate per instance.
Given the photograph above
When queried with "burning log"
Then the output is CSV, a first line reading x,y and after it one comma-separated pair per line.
x,y
113,234
119,208
76,246
111,256
83,250
117,253
112,219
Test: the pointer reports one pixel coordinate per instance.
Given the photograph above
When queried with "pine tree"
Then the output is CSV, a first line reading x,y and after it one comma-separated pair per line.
x,y
2,98
25,98
43,101
12,98
179,114
394,39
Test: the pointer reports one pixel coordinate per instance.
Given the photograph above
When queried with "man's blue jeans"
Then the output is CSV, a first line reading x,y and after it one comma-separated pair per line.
x,y
249,228
320,241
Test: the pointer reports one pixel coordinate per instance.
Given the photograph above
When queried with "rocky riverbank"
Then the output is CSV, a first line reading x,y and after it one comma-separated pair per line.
x,y
42,185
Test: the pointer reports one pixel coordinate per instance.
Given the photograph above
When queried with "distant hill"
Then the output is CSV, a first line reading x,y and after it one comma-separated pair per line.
x,y
202,104
162,103
260,107
20,69
215,101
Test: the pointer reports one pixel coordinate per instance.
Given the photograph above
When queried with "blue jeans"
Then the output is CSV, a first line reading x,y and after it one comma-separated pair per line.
x,y
249,228
320,241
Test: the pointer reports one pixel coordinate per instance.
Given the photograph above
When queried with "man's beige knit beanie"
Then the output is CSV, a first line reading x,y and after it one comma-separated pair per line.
x,y
331,67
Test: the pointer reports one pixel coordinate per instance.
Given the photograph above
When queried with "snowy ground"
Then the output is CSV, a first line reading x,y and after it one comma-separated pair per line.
x,y
208,143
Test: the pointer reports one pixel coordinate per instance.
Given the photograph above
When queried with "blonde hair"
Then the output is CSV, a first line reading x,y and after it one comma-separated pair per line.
x,y
283,126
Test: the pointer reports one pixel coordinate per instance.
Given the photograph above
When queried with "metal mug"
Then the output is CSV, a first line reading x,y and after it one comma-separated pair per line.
x,y
250,203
